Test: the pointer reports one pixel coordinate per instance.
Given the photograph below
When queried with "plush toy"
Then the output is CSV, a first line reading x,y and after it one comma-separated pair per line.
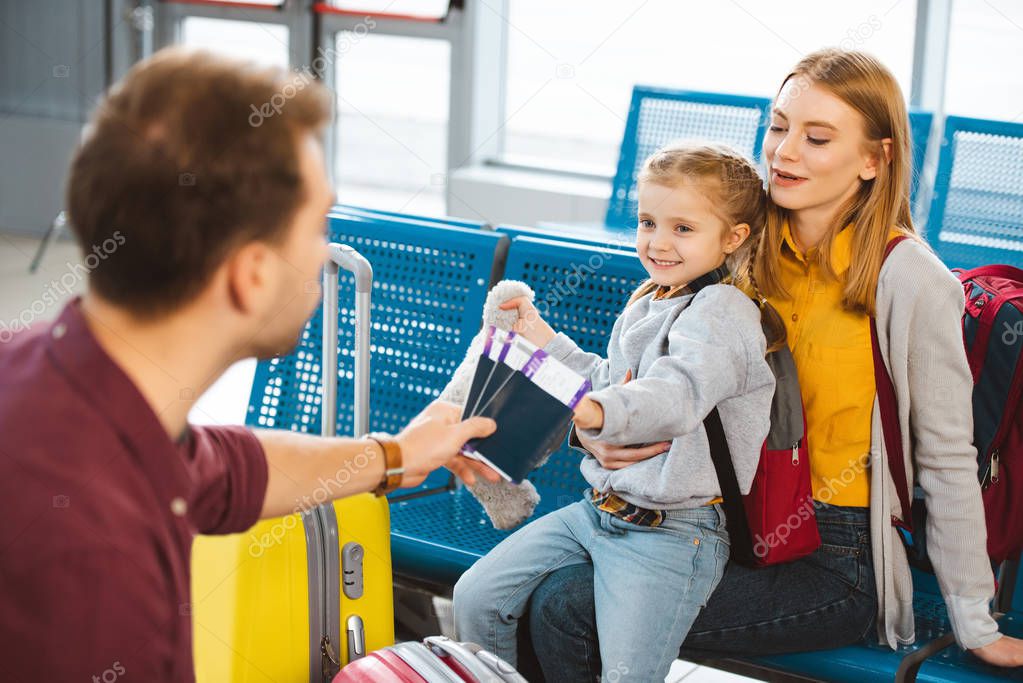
x,y
507,504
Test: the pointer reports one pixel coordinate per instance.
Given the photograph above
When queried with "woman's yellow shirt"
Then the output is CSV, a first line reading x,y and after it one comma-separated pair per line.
x,y
833,356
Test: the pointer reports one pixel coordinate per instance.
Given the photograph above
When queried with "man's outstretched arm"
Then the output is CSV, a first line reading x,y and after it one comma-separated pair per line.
x,y
306,470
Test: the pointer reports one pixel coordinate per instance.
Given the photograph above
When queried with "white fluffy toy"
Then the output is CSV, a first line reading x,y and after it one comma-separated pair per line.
x,y
507,504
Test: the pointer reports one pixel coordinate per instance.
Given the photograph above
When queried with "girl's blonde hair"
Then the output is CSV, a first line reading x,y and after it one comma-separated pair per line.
x,y
881,204
737,192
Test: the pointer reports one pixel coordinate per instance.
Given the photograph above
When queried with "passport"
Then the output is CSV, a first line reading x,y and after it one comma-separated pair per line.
x,y
530,396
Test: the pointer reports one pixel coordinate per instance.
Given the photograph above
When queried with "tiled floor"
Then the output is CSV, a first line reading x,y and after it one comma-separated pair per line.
x,y
26,298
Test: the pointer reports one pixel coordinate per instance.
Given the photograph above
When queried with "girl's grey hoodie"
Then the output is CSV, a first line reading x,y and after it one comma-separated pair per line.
x,y
687,354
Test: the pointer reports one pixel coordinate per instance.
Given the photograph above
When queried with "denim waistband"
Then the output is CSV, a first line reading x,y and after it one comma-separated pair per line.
x,y
704,512
614,504
828,514
705,515
841,514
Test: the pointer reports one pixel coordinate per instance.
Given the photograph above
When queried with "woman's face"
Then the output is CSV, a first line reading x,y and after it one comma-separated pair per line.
x,y
815,149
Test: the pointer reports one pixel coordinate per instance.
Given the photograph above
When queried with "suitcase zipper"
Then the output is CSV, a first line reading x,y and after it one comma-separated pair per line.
x,y
795,452
327,649
329,598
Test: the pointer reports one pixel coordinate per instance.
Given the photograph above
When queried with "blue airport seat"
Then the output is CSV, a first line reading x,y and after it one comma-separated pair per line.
x,y
920,124
584,288
408,217
658,116
594,236
429,285
976,214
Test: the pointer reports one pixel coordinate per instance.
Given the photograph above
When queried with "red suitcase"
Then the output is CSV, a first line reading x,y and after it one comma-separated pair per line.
x,y
436,660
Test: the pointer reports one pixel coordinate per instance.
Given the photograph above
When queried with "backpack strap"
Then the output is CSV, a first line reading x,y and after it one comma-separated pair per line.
x,y
892,432
740,538
736,522
995,270
712,278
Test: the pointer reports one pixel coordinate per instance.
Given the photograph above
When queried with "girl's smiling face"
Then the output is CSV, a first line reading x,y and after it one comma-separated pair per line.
x,y
680,237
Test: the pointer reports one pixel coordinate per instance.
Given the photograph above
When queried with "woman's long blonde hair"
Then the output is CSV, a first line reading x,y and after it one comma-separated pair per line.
x,y
880,205
737,192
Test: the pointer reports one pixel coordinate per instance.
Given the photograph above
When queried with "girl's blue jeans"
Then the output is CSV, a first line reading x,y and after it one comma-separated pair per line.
x,y
649,583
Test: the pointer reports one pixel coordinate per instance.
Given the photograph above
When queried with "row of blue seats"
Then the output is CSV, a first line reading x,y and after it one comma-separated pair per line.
x,y
431,277
974,200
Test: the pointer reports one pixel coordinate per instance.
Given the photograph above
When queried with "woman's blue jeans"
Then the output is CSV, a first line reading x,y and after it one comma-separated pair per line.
x,y
825,600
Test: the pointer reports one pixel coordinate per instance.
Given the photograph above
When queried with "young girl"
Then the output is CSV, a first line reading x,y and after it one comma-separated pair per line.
x,y
653,531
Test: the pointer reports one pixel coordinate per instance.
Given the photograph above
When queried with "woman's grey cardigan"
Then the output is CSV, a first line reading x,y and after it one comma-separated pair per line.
x,y
919,310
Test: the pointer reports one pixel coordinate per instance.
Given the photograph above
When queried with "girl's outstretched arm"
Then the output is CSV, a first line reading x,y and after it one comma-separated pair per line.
x,y
715,351
534,328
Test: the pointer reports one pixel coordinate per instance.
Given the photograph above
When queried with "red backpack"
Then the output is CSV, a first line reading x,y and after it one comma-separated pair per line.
x,y
993,336
775,522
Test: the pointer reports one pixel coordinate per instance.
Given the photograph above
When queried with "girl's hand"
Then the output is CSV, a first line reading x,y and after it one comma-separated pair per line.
x,y
616,457
588,414
1006,651
530,325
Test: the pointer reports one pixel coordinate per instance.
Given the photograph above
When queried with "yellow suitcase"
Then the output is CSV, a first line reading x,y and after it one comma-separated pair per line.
x,y
295,598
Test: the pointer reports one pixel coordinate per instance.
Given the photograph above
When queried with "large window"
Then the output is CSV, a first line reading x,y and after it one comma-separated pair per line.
x,y
984,78
392,118
264,43
571,68
225,401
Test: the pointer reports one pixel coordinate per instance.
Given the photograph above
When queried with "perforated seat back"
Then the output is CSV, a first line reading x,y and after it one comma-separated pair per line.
x,y
976,215
428,290
658,116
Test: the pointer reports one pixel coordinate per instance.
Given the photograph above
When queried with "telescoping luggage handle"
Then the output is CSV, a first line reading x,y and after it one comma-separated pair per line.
x,y
325,622
485,667
343,257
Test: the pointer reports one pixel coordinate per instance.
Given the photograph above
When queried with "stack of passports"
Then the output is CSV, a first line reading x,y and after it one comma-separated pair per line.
x,y
529,395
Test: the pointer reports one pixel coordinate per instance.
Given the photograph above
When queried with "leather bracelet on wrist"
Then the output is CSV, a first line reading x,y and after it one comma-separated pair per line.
x,y
394,469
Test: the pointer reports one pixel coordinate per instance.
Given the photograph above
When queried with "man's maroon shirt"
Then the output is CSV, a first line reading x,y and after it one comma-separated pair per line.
x,y
99,508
